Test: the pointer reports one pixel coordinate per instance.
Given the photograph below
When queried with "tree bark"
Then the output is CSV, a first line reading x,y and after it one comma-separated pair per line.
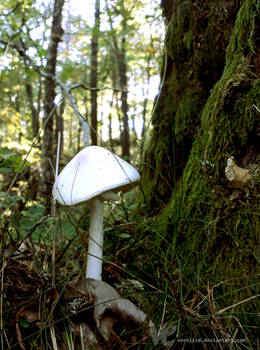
x,y
207,111
47,145
94,75
145,103
35,115
194,62
122,67
110,130
29,91
119,52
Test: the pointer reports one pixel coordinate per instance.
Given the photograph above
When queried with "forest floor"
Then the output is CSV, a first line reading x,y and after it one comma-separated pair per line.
x,y
56,308
61,309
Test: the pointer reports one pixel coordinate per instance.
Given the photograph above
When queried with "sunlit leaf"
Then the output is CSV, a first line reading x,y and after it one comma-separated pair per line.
x,y
34,212
124,235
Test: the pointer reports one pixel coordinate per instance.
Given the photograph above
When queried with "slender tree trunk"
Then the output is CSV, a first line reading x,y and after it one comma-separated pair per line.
x,y
145,94
110,135
144,112
119,117
122,67
94,75
110,131
114,98
86,114
125,137
17,108
101,121
35,112
134,140
47,145
39,96
120,58
35,115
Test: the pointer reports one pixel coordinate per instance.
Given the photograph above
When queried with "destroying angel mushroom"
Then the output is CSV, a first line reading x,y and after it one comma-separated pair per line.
x,y
94,175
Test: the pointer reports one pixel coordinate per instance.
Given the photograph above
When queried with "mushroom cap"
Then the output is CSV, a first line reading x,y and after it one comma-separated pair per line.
x,y
91,173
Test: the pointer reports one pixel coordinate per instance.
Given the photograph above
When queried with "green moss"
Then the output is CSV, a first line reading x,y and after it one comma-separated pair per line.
x,y
210,228
217,225
188,39
240,41
195,62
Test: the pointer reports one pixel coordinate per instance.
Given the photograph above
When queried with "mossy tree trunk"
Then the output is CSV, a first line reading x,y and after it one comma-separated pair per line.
x,y
207,112
196,41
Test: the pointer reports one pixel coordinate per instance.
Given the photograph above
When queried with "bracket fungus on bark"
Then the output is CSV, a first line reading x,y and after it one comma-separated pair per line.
x,y
238,177
92,176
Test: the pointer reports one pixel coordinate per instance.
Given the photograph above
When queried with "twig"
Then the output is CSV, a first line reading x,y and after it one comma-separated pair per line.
x,y
83,86
12,10
81,337
74,106
239,324
236,304
53,338
163,316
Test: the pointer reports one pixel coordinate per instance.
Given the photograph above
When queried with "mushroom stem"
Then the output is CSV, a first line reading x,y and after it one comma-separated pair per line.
x,y
95,242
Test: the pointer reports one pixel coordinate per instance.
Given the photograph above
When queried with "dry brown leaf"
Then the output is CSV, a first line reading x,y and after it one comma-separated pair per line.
x,y
29,315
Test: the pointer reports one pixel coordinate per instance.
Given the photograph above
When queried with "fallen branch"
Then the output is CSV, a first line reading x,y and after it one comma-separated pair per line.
x,y
239,303
83,86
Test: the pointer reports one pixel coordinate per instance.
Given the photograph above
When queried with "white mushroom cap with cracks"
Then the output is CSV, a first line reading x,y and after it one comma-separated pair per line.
x,y
94,175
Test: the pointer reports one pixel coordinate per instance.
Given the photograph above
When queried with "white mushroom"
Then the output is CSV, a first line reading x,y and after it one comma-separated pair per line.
x,y
94,175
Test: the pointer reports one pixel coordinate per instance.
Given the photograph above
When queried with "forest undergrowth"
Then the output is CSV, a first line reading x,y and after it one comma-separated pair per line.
x,y
181,252
42,257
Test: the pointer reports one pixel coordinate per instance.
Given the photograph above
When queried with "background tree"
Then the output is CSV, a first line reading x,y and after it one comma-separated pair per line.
x,y
94,74
119,52
49,106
